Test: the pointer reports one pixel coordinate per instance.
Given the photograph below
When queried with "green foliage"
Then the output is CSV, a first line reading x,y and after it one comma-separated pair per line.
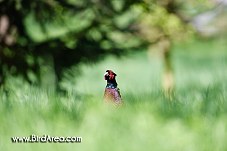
x,y
59,27
194,7
72,31
84,31
157,22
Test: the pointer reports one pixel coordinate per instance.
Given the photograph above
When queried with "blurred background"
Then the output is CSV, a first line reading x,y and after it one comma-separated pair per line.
x,y
170,59
47,42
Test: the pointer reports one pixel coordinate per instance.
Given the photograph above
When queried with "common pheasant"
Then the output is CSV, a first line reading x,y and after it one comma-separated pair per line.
x,y
112,92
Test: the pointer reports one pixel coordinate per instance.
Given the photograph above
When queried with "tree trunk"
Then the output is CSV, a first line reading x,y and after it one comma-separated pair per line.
x,y
1,77
168,80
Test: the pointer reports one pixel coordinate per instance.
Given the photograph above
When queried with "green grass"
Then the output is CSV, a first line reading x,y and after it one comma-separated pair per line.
x,y
194,119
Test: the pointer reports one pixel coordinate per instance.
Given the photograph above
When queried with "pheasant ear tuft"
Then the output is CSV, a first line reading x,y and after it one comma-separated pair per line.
x,y
111,72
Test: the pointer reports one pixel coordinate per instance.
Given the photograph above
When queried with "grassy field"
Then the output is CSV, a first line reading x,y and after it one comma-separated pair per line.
x,y
194,119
